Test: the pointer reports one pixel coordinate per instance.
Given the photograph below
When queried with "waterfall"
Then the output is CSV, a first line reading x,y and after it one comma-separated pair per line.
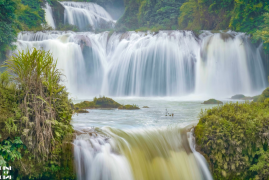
x,y
87,16
157,153
228,65
168,63
49,16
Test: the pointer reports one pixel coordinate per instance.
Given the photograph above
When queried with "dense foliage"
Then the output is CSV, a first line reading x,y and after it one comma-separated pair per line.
x,y
234,138
238,15
7,25
19,15
35,115
150,14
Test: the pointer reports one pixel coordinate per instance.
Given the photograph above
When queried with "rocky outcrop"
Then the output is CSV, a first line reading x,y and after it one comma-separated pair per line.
x,y
58,13
212,101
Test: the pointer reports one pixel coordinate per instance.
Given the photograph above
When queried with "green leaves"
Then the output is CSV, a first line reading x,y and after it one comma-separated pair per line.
x,y
10,150
234,137
34,106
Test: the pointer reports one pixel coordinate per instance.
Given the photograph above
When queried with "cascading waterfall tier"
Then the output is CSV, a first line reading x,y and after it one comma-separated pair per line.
x,y
87,15
229,64
156,153
49,16
168,63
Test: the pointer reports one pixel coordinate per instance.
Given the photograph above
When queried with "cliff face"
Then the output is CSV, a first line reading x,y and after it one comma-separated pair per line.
x,y
265,58
58,13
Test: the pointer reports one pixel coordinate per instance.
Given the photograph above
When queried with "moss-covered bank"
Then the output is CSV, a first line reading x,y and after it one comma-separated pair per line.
x,y
234,138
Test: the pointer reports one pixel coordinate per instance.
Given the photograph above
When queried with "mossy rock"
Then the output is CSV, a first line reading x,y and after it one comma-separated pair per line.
x,y
238,96
101,102
105,102
85,105
242,97
82,111
145,107
129,107
212,101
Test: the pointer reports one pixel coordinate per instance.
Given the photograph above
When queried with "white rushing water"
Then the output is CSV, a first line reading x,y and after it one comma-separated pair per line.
x,y
169,63
155,153
49,16
140,144
85,14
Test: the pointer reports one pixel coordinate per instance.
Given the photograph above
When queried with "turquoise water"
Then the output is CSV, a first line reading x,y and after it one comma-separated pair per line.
x,y
185,112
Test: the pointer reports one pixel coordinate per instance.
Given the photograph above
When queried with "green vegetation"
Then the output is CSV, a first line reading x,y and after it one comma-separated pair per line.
x,y
263,32
238,96
145,107
212,101
263,96
152,15
35,115
19,15
67,27
238,15
129,107
102,102
242,97
81,111
234,139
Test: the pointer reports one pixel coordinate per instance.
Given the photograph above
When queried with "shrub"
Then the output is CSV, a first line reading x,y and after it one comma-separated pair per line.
x,y
234,139
35,107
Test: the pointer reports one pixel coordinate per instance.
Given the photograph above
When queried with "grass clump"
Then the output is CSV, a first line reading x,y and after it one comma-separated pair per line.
x,y
212,101
234,139
35,117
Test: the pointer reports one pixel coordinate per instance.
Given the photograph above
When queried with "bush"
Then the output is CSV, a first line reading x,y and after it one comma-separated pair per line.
x,y
234,139
35,107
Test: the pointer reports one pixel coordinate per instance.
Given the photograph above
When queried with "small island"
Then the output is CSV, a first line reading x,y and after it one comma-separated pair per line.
x,y
101,103
212,101
242,97
129,107
145,107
